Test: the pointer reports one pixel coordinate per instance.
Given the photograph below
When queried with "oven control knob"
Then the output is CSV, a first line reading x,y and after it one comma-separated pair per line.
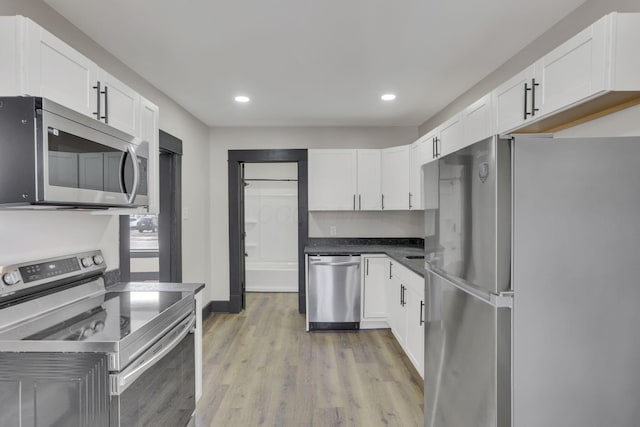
x,y
98,259
87,261
11,278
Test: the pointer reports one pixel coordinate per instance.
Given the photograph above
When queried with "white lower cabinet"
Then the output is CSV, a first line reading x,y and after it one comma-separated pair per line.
x,y
198,345
406,296
374,298
414,305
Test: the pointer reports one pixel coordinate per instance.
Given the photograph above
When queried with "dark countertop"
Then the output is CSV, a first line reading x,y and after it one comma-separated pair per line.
x,y
157,286
395,252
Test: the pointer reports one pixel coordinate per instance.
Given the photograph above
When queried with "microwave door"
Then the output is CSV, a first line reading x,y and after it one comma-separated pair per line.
x,y
81,164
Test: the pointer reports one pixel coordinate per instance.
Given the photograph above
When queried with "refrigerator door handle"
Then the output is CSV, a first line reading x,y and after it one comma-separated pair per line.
x,y
500,300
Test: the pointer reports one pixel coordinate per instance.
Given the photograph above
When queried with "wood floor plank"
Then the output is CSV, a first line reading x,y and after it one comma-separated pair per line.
x,y
261,368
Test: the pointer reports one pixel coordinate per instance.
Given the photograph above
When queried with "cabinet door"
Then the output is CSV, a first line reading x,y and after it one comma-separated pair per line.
x,y
420,155
509,101
395,178
332,180
573,71
369,180
476,121
374,297
11,54
56,71
120,104
450,135
149,128
392,290
198,345
415,326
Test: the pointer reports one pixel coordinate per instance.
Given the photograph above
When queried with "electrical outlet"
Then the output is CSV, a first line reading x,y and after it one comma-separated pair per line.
x,y
332,230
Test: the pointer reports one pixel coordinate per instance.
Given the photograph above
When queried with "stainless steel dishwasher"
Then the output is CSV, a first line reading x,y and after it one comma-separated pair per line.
x,y
334,292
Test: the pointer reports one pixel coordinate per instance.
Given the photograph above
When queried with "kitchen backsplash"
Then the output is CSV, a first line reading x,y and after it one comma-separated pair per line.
x,y
367,224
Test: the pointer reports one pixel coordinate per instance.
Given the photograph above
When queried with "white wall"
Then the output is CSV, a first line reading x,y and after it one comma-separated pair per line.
x,y
581,18
224,139
28,235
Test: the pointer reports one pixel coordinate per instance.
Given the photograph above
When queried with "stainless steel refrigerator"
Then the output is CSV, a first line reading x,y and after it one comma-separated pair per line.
x,y
533,284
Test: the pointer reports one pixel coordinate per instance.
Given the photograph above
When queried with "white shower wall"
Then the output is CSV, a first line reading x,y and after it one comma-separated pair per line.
x,y
271,223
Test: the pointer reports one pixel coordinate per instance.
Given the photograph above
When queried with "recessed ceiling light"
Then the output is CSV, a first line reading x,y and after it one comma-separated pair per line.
x,y
242,98
388,97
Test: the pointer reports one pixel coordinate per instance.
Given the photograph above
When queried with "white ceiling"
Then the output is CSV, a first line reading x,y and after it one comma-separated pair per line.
x,y
314,62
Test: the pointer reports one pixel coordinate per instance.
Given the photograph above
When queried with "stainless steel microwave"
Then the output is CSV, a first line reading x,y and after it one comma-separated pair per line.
x,y
53,156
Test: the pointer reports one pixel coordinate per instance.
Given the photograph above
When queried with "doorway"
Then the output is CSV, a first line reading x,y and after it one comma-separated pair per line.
x,y
237,233
150,244
271,227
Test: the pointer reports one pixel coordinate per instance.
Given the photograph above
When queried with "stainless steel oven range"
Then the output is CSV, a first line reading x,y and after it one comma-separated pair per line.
x,y
74,353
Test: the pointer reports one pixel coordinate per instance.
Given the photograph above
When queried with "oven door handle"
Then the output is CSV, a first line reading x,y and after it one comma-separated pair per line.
x,y
120,382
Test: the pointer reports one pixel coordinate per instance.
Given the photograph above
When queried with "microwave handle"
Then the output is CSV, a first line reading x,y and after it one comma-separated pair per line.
x,y
136,173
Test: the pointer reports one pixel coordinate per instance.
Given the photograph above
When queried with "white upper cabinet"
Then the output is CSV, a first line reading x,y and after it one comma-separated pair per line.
x,y
512,101
37,63
395,178
149,131
368,182
421,153
476,121
332,180
450,137
54,70
573,71
11,53
598,70
120,105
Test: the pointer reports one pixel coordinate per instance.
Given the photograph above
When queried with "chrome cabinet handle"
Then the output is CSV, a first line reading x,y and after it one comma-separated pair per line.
x,y
383,202
533,97
105,92
526,96
359,202
421,307
98,92
410,201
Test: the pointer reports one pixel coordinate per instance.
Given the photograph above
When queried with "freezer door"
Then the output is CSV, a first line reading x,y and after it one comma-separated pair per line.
x,y
467,374
473,227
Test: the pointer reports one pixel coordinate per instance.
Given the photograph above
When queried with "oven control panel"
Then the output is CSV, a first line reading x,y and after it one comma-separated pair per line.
x,y
43,270
30,274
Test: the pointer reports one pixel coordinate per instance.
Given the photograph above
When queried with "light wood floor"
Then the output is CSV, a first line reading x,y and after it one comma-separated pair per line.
x,y
262,369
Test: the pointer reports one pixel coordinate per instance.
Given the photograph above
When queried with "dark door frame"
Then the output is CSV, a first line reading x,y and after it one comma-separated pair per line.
x,y
170,193
236,260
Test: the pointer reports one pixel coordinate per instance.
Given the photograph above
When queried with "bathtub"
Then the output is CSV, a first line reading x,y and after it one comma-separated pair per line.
x,y
265,276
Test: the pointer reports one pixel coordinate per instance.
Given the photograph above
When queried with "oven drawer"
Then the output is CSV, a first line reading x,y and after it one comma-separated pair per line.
x,y
159,387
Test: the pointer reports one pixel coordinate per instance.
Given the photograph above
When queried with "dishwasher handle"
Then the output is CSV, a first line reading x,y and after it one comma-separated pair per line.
x,y
340,264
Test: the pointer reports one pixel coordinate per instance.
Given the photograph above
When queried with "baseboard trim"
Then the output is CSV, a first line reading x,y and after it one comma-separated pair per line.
x,y
206,311
279,290
219,306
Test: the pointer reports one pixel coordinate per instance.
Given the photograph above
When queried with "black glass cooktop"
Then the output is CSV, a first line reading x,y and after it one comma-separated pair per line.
x,y
106,318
